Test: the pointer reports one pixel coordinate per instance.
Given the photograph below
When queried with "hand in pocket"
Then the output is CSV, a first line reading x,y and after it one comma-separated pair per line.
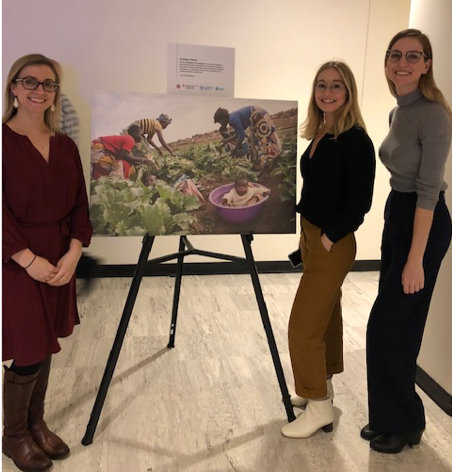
x,y
326,242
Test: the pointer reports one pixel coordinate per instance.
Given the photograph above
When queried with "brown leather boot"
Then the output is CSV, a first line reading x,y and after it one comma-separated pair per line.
x,y
17,441
49,442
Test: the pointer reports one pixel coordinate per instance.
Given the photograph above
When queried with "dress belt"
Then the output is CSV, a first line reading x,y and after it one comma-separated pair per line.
x,y
63,225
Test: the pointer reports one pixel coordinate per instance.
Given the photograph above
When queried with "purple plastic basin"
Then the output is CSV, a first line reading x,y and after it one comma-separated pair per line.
x,y
234,214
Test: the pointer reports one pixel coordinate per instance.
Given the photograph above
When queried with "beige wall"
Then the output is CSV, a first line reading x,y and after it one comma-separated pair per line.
x,y
433,17
386,17
118,45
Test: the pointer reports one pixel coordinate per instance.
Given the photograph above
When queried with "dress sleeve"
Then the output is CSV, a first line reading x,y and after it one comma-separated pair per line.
x,y
359,161
228,196
127,142
236,123
12,238
259,190
80,224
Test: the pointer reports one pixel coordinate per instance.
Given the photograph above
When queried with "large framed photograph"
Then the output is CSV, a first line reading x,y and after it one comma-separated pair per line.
x,y
186,165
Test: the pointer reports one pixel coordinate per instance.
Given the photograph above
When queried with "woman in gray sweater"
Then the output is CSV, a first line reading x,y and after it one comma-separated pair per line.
x,y
416,236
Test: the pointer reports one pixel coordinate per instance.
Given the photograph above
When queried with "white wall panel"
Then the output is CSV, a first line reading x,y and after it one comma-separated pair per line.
x,y
433,18
119,45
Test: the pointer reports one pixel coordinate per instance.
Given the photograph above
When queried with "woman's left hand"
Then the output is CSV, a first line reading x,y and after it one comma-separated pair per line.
x,y
66,266
413,277
326,241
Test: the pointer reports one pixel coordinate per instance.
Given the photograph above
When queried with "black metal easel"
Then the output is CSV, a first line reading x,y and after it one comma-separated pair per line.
x,y
185,249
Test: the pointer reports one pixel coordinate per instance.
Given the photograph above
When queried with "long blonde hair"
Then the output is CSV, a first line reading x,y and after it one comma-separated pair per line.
x,y
51,118
427,84
348,116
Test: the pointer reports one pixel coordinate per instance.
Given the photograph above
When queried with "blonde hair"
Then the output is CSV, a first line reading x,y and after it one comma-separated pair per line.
x,y
51,118
427,84
348,116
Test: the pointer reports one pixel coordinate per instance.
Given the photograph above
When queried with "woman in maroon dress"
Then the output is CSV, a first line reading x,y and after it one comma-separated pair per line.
x,y
45,224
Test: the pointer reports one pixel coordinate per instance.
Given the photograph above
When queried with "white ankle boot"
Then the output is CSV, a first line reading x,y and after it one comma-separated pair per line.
x,y
318,414
301,402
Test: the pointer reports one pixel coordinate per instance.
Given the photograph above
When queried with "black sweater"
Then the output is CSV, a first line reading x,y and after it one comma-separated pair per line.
x,y
338,182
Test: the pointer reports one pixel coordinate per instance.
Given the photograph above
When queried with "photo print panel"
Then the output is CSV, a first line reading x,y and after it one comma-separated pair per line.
x,y
187,165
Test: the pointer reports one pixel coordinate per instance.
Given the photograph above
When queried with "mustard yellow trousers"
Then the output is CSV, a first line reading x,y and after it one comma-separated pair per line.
x,y
315,325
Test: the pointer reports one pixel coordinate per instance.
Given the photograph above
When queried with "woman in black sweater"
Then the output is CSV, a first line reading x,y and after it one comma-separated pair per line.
x,y
338,170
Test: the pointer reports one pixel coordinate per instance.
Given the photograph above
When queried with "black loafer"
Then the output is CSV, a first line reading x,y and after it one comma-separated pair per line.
x,y
368,434
394,443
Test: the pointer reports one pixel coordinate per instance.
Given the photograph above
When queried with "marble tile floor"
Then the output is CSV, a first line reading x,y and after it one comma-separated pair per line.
x,y
212,404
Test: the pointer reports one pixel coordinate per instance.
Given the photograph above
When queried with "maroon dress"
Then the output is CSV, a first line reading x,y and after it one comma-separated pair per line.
x,y
44,206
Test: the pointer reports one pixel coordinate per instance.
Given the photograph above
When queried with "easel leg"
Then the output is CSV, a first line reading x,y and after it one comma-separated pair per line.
x,y
178,281
147,243
246,241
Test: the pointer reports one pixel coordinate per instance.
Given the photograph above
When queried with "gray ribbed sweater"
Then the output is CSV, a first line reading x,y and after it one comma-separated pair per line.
x,y
416,148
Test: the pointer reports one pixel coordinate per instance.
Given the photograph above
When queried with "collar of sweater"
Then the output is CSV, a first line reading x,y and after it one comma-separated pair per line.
x,y
409,98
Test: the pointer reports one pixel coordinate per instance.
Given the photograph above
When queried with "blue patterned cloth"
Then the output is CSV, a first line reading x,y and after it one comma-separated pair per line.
x,y
69,122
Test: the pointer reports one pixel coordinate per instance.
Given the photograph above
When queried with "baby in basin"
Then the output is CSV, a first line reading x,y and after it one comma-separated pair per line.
x,y
244,194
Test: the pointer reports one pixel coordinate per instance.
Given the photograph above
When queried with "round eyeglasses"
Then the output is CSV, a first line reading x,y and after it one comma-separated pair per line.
x,y
335,87
30,83
394,55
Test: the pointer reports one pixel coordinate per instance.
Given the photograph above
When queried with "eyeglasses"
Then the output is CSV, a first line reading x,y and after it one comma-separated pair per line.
x,y
412,57
30,83
335,87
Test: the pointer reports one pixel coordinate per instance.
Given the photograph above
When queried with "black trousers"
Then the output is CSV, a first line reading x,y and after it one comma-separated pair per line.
x,y
397,320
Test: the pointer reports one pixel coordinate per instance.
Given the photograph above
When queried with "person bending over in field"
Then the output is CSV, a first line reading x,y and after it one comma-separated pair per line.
x,y
112,155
